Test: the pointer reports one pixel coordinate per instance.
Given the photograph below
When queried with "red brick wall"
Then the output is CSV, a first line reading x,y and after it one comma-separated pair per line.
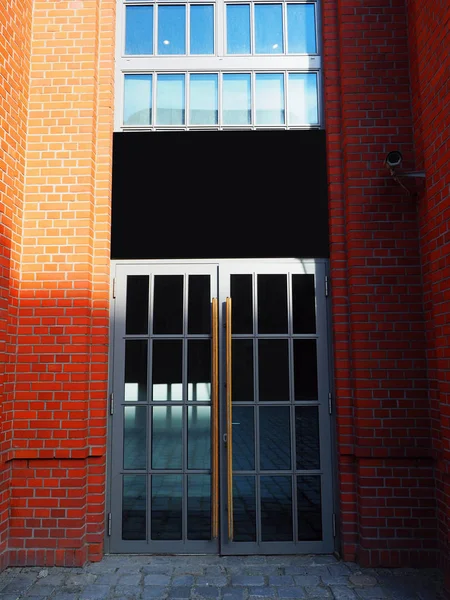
x,y
429,34
57,453
383,411
15,41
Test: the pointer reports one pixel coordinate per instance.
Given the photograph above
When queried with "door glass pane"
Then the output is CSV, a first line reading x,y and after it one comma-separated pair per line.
x,y
309,507
134,503
199,437
236,100
244,508
269,99
276,509
137,104
170,100
238,29
199,370
307,437
171,29
203,108
168,304
136,320
135,437
242,304
273,364
274,437
243,438
302,96
199,507
303,304
167,440
139,30
135,371
268,28
167,497
167,371
301,29
272,304
202,29
199,304
242,371
305,370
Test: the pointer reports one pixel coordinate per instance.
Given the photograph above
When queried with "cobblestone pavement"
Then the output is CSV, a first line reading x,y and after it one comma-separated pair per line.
x,y
212,577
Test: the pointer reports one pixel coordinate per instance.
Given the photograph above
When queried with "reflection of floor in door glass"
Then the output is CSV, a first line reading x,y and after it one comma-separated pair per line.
x,y
309,509
276,509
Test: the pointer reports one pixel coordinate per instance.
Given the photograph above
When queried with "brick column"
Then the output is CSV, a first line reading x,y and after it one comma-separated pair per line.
x,y
59,436
383,412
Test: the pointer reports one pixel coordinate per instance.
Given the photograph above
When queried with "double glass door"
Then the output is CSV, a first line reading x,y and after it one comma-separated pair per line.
x,y
220,425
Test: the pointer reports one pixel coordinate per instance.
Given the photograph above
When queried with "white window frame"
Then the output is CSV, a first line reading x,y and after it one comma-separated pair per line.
x,y
219,63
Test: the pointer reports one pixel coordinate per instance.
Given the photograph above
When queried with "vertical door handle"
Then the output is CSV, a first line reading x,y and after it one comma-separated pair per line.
x,y
229,420
215,418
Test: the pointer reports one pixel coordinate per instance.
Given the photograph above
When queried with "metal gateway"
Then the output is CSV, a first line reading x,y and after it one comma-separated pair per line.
x,y
220,437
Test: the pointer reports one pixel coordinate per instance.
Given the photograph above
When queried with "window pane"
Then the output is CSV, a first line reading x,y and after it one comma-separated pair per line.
x,y
243,438
167,370
168,304
301,28
199,304
199,370
135,437
139,30
167,437
202,29
135,371
269,99
307,437
199,507
272,304
273,366
303,304
305,370
244,508
242,371
203,99
309,508
276,509
170,100
302,96
199,437
238,29
167,502
137,100
136,320
134,507
268,29
274,438
237,101
171,30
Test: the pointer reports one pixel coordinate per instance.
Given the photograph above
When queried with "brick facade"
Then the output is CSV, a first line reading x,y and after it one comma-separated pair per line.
x,y
386,87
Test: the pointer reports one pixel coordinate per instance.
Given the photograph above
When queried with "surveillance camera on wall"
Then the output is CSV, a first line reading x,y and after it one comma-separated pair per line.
x,y
393,159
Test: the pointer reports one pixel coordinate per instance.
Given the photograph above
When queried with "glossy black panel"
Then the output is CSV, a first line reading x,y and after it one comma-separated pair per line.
x,y
166,514
272,304
273,370
303,304
307,437
136,320
242,307
274,437
199,507
135,437
243,438
199,304
134,507
305,370
244,508
276,509
242,370
309,507
135,371
199,370
167,370
168,304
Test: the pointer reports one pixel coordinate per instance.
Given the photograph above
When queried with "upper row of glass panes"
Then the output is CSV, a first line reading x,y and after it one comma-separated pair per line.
x,y
254,28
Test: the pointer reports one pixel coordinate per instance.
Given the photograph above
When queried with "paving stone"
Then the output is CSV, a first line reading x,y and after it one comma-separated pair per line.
x,y
362,580
80,579
370,592
10,597
317,592
134,579
156,580
281,580
335,580
247,580
318,571
214,570
183,580
216,580
291,592
40,590
127,591
264,592
342,592
156,591
160,570
207,591
304,580
179,592
95,592
233,593
265,571
107,578
65,596
339,569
